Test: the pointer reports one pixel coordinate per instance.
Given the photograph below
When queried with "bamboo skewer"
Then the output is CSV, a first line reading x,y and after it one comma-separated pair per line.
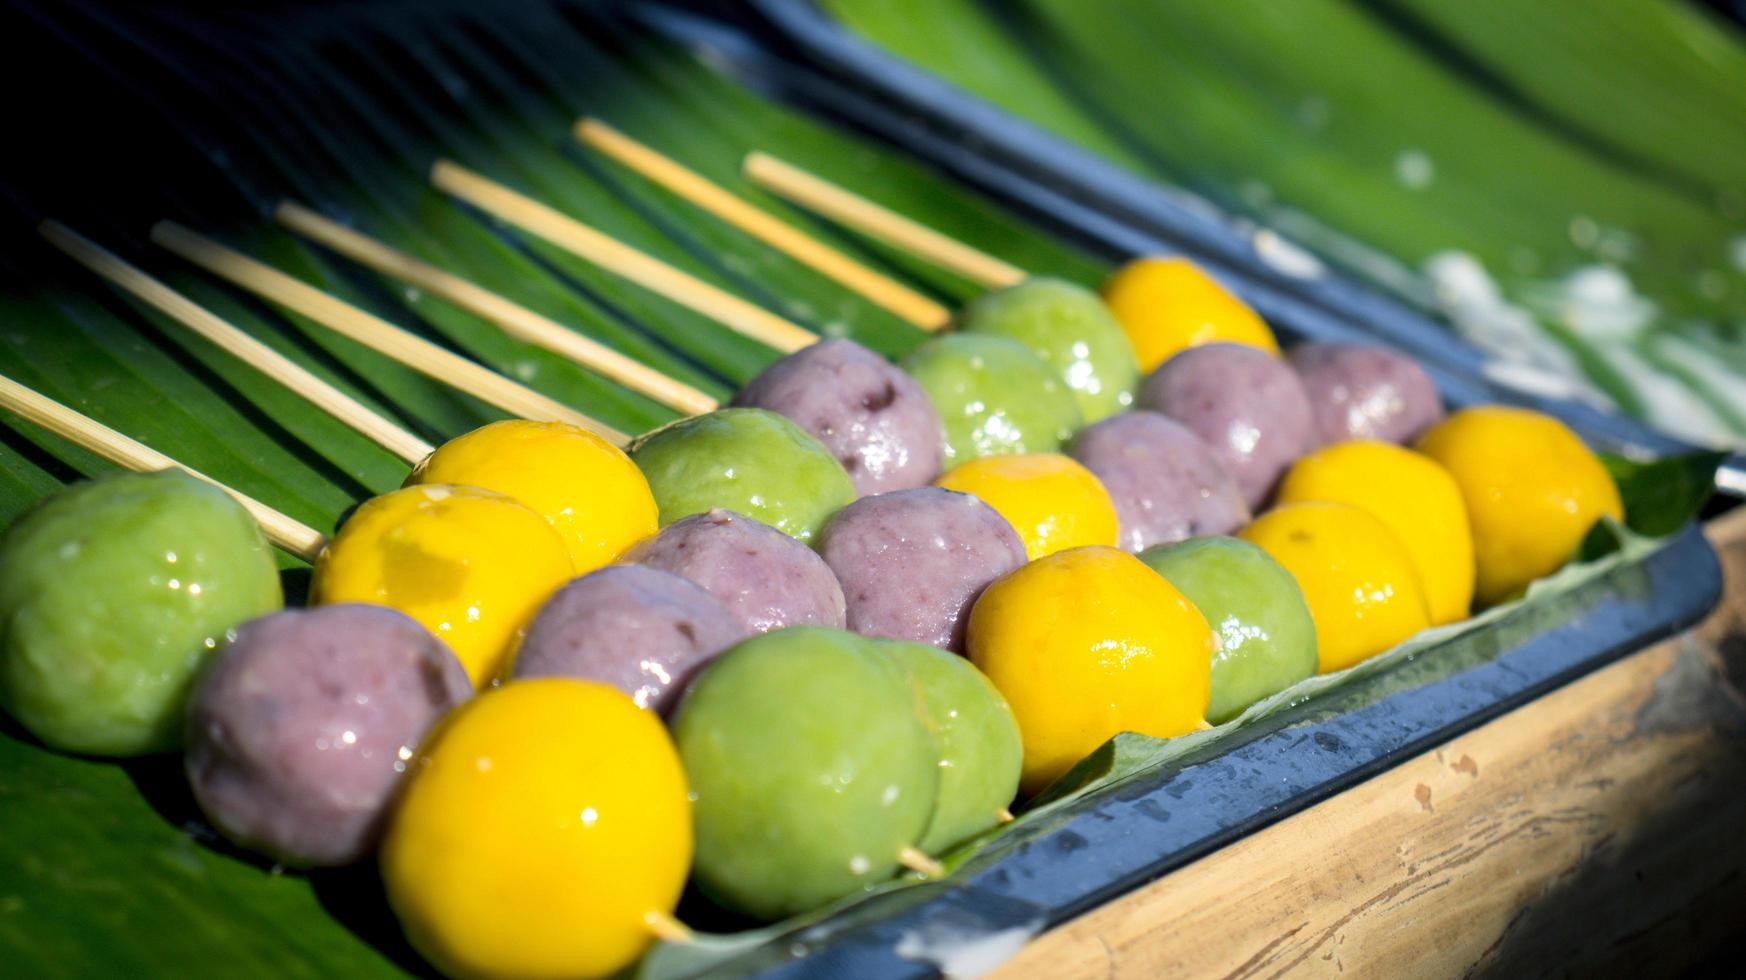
x,y
514,319
620,259
668,929
856,212
296,538
915,860
372,331
875,287
236,342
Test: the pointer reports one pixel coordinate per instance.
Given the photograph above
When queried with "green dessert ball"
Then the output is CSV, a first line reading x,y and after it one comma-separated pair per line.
x,y
994,396
1267,641
114,593
746,460
811,768
1071,329
978,738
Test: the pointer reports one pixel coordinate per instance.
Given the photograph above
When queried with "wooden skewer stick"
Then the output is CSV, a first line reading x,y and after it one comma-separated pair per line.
x,y
372,331
620,259
512,318
875,287
667,928
913,859
237,343
854,211
299,539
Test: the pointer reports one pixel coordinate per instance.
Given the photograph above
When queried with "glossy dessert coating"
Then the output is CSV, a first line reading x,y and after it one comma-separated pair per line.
x,y
1245,404
542,825
747,460
1071,329
470,565
1267,640
304,725
912,562
587,488
765,578
1360,391
875,419
114,593
994,395
811,767
980,749
1165,483
638,628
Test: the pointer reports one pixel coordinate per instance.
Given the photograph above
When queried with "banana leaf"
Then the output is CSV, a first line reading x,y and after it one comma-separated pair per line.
x,y
1483,160
107,868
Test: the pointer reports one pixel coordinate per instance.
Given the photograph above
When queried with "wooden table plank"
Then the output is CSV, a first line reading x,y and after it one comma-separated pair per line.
x,y
1600,827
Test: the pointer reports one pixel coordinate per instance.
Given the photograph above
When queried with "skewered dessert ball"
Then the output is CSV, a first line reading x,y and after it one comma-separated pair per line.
x,y
299,733
544,831
746,460
1088,643
590,491
1357,578
1359,391
994,396
638,628
470,565
1244,403
1167,305
1072,330
1267,638
1165,482
1413,496
912,562
811,768
765,578
1533,491
1051,501
980,750
114,593
875,419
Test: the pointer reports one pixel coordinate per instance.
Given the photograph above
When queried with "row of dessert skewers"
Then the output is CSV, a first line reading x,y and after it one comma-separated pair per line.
x,y
810,530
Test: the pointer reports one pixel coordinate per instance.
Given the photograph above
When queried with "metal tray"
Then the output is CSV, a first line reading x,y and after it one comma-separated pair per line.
x,y
1109,842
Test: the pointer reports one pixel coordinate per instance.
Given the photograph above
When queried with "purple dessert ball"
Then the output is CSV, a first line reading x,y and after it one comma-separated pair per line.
x,y
912,562
1166,484
875,419
1245,404
767,579
301,729
640,629
1358,391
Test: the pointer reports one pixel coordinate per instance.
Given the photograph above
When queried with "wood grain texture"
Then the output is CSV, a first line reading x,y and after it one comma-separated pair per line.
x,y
1600,829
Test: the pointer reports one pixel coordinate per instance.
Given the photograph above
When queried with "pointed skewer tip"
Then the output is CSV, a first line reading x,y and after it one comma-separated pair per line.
x,y
668,929
913,859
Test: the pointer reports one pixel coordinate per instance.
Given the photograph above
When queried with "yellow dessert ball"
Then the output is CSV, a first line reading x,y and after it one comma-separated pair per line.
x,y
1357,578
1169,304
542,827
1533,491
1410,493
471,565
1088,643
1050,500
591,492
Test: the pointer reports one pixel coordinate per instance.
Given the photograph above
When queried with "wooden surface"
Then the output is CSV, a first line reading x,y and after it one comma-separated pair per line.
x,y
1601,829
